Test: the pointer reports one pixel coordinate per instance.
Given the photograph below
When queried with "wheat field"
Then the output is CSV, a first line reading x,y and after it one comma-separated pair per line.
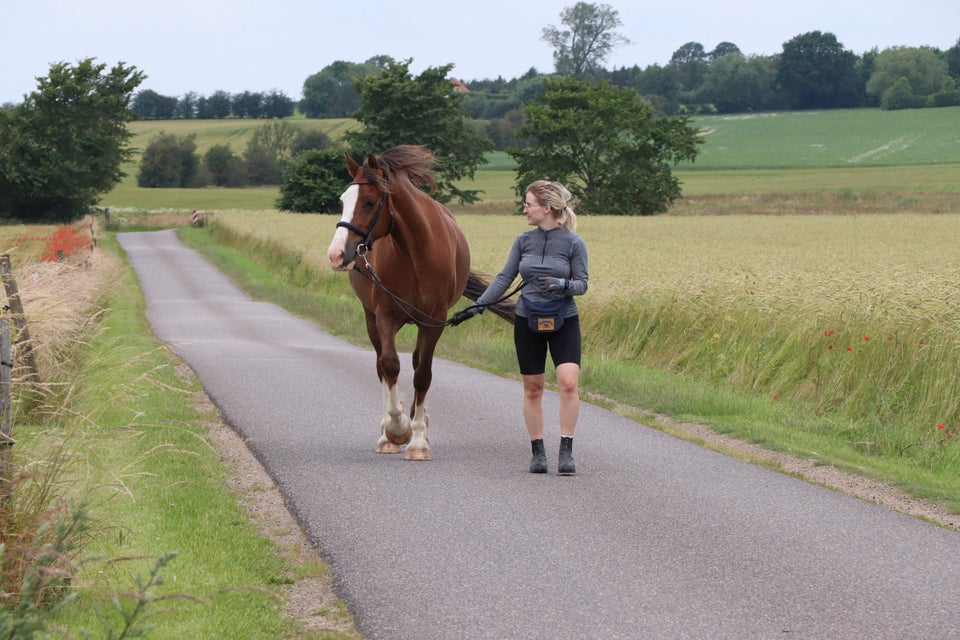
x,y
852,315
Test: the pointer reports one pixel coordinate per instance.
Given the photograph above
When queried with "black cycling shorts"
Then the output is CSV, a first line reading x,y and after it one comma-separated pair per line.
x,y
532,347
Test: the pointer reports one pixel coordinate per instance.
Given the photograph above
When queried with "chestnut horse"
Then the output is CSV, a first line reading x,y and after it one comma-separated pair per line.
x,y
410,263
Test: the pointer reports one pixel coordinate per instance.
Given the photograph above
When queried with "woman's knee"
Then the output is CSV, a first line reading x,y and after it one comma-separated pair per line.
x,y
533,387
568,378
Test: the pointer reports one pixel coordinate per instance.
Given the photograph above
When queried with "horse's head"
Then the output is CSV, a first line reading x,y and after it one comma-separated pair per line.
x,y
366,213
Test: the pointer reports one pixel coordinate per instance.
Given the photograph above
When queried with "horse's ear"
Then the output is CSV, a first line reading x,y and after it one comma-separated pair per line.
x,y
372,161
352,165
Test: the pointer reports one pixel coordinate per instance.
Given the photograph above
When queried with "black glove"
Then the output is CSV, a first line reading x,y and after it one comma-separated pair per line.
x,y
466,314
548,284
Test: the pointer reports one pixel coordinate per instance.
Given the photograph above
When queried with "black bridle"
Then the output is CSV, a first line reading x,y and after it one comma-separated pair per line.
x,y
367,236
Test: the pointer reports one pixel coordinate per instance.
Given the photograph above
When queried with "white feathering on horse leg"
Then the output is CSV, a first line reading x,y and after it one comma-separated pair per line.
x,y
419,447
395,426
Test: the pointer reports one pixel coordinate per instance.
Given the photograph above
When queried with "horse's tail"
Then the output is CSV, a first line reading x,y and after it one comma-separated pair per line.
x,y
477,284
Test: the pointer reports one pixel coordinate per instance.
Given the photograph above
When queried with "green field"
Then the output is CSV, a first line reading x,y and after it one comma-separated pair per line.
x,y
838,138
860,151
235,132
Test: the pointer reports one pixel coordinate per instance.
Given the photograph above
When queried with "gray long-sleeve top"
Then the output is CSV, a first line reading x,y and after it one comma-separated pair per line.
x,y
559,253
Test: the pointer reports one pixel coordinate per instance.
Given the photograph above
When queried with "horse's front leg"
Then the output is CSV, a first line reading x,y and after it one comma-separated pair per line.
x,y
419,447
395,425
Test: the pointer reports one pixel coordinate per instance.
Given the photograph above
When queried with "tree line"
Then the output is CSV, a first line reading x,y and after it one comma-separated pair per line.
x,y
813,71
624,169
150,105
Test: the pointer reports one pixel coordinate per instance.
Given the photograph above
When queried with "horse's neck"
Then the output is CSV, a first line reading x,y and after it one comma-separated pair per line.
x,y
417,212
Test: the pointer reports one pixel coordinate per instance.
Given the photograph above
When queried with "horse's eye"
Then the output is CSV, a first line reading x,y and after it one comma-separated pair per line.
x,y
369,203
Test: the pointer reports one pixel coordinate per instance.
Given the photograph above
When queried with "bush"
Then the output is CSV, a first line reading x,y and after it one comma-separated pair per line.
x,y
944,98
224,167
169,161
900,96
260,166
313,182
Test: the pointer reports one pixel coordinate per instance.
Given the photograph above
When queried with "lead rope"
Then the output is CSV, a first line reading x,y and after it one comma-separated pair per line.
x,y
406,307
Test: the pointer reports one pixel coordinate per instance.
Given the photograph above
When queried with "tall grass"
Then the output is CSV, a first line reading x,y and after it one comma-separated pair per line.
x,y
852,319
118,487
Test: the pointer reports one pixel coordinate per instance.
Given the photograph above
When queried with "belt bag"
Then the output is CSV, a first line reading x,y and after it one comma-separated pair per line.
x,y
546,317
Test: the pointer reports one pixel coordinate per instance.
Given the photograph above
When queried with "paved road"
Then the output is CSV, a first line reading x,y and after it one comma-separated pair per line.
x,y
655,538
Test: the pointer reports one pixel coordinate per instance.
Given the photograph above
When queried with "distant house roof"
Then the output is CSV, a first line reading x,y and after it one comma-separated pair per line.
x,y
458,86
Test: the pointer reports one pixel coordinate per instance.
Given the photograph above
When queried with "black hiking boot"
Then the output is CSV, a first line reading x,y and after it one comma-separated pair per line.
x,y
538,463
566,466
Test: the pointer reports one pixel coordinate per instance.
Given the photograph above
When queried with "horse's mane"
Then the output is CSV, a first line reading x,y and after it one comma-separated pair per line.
x,y
413,161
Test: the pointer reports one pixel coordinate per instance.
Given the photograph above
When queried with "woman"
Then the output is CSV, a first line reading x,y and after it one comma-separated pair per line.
x,y
553,262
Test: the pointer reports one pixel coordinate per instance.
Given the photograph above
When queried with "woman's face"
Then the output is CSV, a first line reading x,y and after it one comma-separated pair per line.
x,y
537,214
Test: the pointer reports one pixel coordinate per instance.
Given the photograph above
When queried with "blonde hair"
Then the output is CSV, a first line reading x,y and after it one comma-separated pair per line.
x,y
558,198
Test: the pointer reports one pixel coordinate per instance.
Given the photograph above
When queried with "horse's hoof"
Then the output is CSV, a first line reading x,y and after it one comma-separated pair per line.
x,y
417,455
401,439
387,447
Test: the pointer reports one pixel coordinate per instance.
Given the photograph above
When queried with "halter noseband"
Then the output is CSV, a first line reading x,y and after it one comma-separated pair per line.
x,y
367,236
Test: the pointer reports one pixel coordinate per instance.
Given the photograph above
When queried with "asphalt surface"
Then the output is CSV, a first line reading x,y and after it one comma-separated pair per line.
x,y
654,538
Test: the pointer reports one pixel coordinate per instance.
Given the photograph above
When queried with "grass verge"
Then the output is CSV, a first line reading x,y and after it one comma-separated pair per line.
x,y
122,422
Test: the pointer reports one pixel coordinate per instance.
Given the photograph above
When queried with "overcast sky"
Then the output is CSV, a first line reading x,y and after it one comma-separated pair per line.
x,y
239,45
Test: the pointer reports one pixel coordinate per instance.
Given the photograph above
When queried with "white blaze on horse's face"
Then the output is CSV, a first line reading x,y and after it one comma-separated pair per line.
x,y
338,246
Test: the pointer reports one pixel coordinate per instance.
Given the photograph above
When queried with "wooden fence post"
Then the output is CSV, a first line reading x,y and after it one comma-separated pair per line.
x,y
6,412
22,339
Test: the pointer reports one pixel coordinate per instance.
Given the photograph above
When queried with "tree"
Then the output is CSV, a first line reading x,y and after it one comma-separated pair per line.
x,y
276,104
580,49
723,49
331,92
691,61
313,182
952,56
260,166
187,106
622,169
169,161
224,167
816,72
661,85
922,67
216,107
397,108
735,83
248,104
63,146
277,138
150,105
